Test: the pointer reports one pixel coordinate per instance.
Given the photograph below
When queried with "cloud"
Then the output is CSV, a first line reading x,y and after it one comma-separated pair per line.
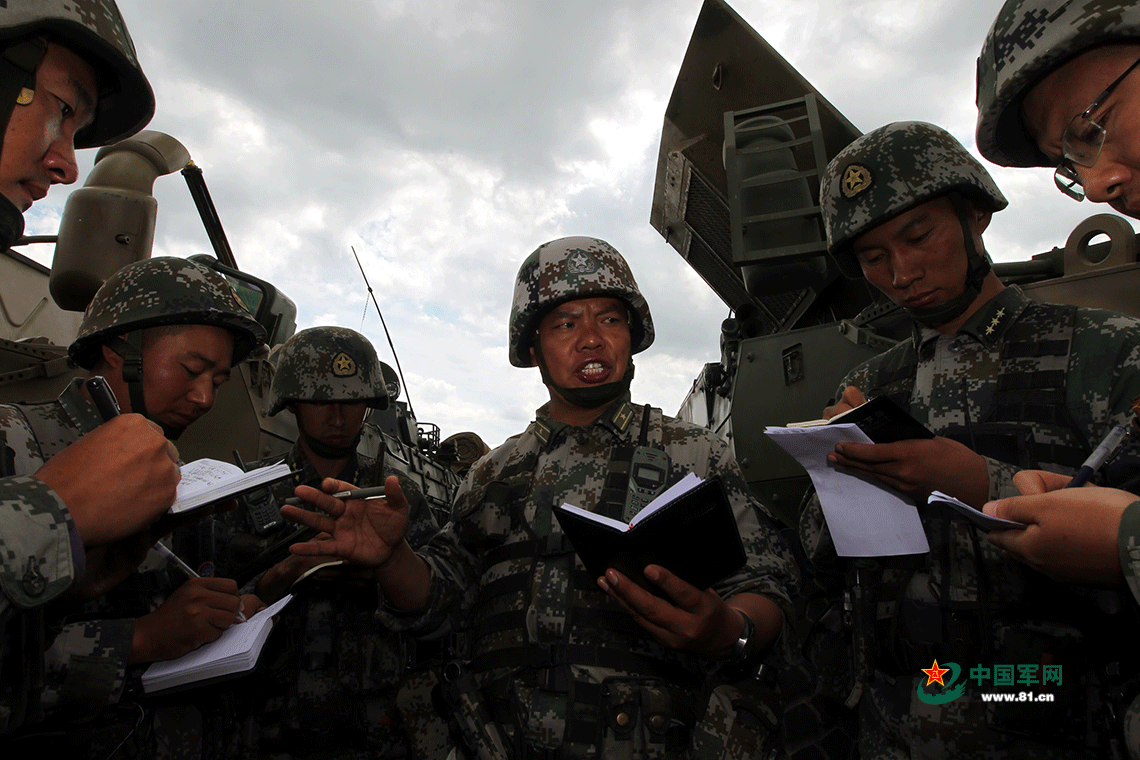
x,y
445,140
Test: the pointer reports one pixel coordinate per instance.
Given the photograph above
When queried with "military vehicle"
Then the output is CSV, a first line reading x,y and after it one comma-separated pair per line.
x,y
110,222
745,141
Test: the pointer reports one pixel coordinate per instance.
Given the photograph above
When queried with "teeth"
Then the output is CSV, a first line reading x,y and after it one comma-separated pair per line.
x,y
592,368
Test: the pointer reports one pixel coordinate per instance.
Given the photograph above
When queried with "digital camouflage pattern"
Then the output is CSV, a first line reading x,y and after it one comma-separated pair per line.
x,y
95,29
163,291
889,170
328,364
85,669
327,681
1055,378
566,269
544,636
1028,40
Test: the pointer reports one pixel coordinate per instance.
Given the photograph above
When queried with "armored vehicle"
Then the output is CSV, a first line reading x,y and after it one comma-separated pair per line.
x,y
110,222
744,143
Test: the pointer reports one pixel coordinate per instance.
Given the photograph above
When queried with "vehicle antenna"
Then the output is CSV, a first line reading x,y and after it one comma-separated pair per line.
x,y
399,369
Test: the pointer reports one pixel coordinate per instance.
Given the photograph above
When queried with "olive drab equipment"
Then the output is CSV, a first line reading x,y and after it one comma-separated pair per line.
x,y
1028,40
324,364
154,293
892,169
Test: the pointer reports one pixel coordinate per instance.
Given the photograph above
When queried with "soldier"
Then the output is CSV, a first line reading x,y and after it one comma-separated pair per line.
x,y
564,664
70,79
170,330
1023,384
1057,88
330,678
1050,76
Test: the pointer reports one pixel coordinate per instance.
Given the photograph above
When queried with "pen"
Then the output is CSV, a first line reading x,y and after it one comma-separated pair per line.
x,y
162,549
356,493
103,397
1098,456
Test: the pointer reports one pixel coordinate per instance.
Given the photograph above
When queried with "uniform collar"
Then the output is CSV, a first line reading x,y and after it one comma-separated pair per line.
x,y
617,418
79,409
306,475
988,324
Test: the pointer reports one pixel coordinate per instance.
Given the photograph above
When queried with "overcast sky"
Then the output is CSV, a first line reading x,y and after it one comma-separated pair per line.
x,y
447,139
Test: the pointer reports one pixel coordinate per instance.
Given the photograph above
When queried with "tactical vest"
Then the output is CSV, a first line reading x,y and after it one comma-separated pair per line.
x,y
661,684
1025,422
1025,419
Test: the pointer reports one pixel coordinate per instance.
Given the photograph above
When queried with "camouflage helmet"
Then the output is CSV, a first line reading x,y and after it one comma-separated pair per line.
x,y
163,291
95,30
328,364
890,170
1028,40
565,270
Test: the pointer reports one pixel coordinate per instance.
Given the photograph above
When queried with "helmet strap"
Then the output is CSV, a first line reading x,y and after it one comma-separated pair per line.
x,y
130,349
977,267
592,396
18,64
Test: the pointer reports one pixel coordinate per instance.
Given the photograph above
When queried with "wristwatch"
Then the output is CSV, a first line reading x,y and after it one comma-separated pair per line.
x,y
743,646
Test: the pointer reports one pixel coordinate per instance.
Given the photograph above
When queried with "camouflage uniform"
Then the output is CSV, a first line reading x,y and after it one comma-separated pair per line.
x,y
41,552
326,684
542,631
1028,385
86,664
563,670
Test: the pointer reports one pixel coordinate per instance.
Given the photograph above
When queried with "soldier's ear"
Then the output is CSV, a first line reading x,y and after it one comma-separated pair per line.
x,y
533,357
111,359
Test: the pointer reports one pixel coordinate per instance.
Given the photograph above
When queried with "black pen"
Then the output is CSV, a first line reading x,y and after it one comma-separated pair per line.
x,y
178,562
1098,457
374,492
103,397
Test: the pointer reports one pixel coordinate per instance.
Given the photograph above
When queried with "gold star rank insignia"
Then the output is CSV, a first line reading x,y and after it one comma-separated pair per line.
x,y
856,179
343,365
934,674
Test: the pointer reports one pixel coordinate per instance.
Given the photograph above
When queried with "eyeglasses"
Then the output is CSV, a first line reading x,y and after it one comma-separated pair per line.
x,y
1081,143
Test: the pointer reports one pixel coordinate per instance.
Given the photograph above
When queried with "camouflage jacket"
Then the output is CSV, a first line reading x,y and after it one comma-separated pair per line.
x,y
41,554
86,664
1073,380
536,616
326,683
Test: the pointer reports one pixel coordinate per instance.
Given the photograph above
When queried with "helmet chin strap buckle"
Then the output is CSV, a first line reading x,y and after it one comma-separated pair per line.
x,y
133,376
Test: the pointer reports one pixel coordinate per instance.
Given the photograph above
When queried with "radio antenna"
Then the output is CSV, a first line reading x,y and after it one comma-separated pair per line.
x,y
388,335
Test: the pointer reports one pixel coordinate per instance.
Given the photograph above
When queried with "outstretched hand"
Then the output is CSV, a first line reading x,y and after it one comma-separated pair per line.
x,y
1071,533
362,531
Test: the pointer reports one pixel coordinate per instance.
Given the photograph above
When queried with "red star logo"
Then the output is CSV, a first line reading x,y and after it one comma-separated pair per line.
x,y
934,674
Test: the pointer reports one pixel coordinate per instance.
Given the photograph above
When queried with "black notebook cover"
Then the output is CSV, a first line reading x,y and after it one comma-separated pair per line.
x,y
694,537
884,421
